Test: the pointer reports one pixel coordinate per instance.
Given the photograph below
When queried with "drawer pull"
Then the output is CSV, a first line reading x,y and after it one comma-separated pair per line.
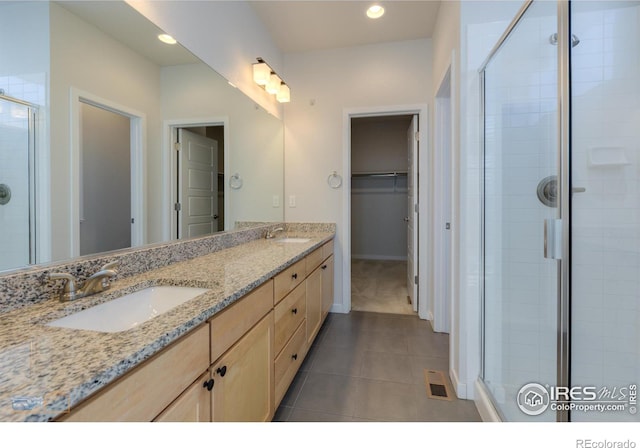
x,y
324,266
208,384
222,370
294,311
294,276
294,356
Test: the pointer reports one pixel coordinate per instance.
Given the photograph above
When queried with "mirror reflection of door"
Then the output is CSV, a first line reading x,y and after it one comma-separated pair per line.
x,y
105,193
198,185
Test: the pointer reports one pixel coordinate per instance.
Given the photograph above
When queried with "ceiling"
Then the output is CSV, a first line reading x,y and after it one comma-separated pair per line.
x,y
308,25
125,24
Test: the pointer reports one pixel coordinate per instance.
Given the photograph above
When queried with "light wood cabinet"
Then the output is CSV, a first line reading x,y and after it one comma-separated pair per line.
x,y
314,304
194,405
289,360
327,286
288,279
289,314
243,390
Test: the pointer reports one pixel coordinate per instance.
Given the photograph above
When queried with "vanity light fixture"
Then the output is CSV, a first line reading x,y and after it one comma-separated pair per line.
x,y
375,11
167,39
265,77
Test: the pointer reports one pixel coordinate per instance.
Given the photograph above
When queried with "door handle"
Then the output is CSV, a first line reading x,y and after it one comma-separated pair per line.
x,y
553,239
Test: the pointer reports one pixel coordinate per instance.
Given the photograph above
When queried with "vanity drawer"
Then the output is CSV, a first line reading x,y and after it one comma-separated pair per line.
x,y
145,392
229,325
327,250
288,279
288,362
288,315
314,259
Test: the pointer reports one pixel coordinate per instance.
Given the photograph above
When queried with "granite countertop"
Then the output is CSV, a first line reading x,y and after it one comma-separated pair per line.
x,y
44,370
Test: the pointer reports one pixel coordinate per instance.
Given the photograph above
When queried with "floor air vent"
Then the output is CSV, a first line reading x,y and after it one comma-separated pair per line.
x,y
437,385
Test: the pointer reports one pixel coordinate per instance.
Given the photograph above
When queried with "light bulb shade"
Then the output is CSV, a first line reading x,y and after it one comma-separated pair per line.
x,y
274,84
284,94
261,73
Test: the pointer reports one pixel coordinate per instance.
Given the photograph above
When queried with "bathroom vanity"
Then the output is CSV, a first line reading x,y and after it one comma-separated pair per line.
x,y
228,354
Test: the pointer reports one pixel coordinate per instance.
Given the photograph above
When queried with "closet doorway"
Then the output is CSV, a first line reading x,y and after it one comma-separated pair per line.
x,y
383,213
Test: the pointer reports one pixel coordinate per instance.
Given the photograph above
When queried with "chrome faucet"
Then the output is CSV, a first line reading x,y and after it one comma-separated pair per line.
x,y
96,283
272,233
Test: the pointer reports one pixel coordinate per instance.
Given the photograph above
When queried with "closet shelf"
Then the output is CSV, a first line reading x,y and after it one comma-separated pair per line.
x,y
379,174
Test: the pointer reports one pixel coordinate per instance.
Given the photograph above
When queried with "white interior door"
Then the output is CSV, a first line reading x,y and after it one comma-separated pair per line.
x,y
412,215
198,185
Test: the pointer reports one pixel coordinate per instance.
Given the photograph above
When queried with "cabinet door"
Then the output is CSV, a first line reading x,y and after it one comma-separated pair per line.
x,y
194,405
314,304
244,387
327,285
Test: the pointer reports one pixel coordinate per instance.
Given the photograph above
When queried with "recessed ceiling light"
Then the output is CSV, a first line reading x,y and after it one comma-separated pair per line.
x,y
375,12
167,39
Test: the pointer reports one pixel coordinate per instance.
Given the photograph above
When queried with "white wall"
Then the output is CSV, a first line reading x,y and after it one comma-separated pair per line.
x,y
226,35
85,58
326,84
254,137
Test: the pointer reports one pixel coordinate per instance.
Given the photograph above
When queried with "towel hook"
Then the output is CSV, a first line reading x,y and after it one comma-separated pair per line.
x,y
334,180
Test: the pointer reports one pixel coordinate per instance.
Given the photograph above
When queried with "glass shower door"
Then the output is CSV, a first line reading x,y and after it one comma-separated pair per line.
x,y
16,202
520,195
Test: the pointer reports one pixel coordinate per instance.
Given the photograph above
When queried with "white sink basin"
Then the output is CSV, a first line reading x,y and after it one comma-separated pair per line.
x,y
293,240
130,310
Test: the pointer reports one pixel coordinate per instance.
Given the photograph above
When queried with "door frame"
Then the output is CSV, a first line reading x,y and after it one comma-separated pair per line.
x,y
170,164
443,204
138,149
423,196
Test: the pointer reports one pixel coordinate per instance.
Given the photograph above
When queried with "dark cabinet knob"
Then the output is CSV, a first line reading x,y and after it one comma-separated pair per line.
x,y
222,371
294,276
324,266
294,356
208,384
294,311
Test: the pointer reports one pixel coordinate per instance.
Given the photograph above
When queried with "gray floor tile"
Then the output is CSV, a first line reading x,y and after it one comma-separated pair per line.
x,y
385,401
420,363
333,394
282,414
387,366
337,360
291,396
433,410
384,341
305,415
435,346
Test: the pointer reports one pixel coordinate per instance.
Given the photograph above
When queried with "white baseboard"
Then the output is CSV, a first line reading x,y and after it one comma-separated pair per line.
x,y
485,408
459,387
338,308
379,257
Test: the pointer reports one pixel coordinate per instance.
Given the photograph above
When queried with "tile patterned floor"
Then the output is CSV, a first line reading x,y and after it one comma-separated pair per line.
x,y
370,367
380,286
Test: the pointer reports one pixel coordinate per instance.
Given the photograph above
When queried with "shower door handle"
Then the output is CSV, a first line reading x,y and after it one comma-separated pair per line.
x,y
553,239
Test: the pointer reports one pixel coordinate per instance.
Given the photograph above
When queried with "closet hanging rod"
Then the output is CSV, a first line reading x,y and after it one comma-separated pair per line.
x,y
380,174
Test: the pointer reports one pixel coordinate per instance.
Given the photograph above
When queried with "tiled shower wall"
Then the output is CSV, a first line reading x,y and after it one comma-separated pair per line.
x,y
606,217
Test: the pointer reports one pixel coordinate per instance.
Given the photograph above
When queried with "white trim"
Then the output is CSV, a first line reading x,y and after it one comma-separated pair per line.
x,y
423,188
169,164
460,387
138,165
442,174
485,408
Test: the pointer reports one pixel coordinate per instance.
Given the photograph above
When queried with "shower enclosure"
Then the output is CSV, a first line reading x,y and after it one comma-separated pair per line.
x,y
561,213
17,203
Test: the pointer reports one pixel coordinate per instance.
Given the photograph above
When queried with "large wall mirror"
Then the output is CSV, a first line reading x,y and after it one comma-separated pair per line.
x,y
110,138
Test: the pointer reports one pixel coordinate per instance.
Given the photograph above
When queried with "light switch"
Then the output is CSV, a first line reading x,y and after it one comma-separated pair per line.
x,y
292,201
276,200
